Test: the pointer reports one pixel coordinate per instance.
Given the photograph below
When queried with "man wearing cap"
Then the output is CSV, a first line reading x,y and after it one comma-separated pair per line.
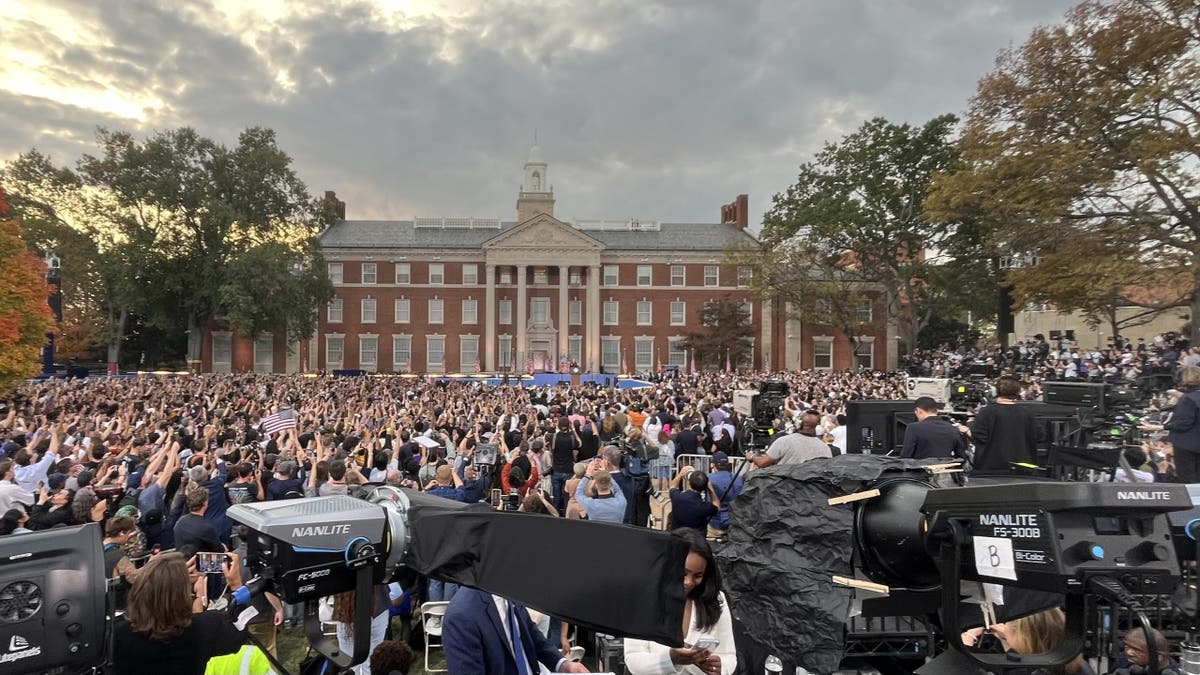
x,y
727,489
931,436
285,481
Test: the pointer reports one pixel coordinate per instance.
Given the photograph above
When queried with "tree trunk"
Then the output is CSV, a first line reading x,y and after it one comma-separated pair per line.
x,y
1194,306
195,336
116,335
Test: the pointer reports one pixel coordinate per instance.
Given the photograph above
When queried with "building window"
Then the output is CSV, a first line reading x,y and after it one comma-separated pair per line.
x,y
574,313
264,353
335,273
678,313
678,275
575,348
368,310
748,309
335,311
470,275
822,354
643,354
470,311
540,276
644,309
368,351
712,275
369,273
540,311
610,313
468,353
402,353
864,356
610,275
865,313
435,311
435,353
610,353
645,275
334,349
506,277
574,278
437,274
676,355
403,273
506,311
505,355
403,310
745,275
222,352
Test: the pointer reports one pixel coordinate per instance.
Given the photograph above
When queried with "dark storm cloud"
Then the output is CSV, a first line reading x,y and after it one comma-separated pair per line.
x,y
644,109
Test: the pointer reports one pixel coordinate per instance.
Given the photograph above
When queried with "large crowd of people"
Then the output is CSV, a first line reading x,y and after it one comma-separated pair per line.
x,y
158,461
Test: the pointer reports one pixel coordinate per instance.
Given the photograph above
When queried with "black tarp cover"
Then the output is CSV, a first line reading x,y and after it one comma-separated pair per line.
x,y
785,543
620,580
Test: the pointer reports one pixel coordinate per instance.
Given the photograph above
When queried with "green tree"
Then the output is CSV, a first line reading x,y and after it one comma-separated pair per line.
x,y
725,329
225,219
1090,130
859,207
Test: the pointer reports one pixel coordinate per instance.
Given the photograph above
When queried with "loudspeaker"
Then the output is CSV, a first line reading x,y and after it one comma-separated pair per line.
x,y
52,590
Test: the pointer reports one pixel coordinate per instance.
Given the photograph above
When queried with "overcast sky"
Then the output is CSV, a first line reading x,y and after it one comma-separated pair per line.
x,y
650,109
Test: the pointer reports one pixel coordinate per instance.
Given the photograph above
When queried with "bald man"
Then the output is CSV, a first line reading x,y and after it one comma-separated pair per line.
x,y
795,448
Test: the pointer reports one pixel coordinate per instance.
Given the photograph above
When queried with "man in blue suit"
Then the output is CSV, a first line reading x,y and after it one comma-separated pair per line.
x,y
485,634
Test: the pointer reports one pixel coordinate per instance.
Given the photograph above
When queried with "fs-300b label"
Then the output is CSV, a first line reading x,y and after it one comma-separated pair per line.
x,y
1011,525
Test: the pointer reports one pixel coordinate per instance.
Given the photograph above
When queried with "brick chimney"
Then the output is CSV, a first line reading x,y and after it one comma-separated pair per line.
x,y
339,206
737,212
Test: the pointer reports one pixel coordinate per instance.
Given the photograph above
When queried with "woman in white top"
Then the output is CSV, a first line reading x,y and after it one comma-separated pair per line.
x,y
707,626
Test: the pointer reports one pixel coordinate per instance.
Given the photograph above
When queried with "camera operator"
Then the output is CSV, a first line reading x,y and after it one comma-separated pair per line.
x,y
1183,429
932,436
1004,434
165,628
795,448
1135,658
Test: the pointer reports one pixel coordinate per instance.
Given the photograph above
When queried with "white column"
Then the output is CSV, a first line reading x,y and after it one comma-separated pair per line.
x,y
563,323
520,315
592,311
489,319
768,329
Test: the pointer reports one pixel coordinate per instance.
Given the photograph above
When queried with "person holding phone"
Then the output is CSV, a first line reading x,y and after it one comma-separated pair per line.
x,y
707,625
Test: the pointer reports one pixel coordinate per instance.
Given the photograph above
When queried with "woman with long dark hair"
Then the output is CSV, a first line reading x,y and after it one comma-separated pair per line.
x,y
164,629
707,625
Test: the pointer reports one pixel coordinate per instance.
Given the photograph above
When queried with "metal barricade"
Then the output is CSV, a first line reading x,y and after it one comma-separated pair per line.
x,y
704,462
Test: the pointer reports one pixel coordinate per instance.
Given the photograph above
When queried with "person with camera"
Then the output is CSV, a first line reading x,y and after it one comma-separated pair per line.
x,y
165,628
606,504
932,436
696,505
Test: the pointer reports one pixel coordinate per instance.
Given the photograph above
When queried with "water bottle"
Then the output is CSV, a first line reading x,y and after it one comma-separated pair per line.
x,y
1190,659
774,665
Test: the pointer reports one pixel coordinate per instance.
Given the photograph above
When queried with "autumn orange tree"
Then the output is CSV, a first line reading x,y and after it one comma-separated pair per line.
x,y
25,318
1082,146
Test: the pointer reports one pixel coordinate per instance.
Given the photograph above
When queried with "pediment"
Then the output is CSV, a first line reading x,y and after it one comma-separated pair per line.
x,y
543,232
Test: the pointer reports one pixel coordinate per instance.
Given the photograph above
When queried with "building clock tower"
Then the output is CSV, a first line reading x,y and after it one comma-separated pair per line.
x,y
537,195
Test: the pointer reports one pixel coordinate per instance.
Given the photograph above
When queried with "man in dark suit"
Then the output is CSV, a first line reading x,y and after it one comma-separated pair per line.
x,y
932,436
485,634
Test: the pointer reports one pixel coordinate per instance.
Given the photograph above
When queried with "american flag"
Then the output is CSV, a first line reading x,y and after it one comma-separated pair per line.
x,y
284,419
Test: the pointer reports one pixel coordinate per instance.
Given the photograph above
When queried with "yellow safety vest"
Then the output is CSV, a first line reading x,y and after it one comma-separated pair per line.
x,y
248,661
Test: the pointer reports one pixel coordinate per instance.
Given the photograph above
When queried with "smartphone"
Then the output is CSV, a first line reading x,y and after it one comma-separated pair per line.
x,y
706,643
496,497
210,563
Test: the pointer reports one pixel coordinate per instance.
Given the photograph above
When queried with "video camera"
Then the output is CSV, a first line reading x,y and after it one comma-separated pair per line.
x,y
760,407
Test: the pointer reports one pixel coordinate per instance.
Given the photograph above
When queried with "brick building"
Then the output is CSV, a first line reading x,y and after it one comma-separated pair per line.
x,y
466,295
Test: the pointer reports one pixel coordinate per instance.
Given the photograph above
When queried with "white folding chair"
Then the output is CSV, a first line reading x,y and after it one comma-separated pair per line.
x,y
432,615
